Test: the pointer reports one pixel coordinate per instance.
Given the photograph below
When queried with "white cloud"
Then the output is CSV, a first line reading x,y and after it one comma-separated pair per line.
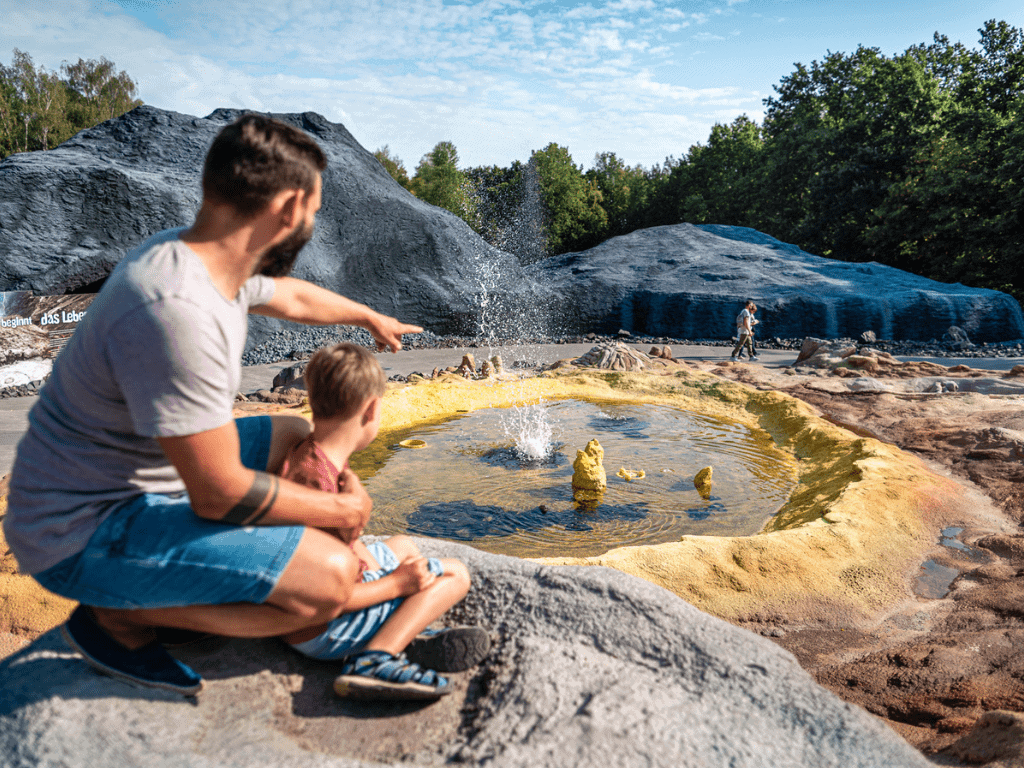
x,y
497,77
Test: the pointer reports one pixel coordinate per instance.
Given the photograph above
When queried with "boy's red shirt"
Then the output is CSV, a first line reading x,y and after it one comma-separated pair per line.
x,y
307,464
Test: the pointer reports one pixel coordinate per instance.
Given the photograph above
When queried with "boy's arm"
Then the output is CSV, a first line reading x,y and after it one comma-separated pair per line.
x,y
412,576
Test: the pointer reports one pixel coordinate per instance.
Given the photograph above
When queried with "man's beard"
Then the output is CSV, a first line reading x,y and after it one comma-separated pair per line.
x,y
279,260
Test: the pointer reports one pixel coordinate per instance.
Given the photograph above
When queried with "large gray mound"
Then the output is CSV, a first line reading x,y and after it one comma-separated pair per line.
x,y
590,667
68,215
689,282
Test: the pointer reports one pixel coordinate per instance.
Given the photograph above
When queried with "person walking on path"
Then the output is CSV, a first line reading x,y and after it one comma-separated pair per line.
x,y
134,491
745,331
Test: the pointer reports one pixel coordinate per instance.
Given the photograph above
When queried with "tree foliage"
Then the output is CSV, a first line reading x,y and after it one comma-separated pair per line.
x,y
915,160
439,181
39,109
394,166
574,218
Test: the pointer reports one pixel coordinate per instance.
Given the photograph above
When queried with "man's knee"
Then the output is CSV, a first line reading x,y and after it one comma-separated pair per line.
x,y
318,584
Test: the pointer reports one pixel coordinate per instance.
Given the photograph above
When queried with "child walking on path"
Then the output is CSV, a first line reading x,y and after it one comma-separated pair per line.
x,y
398,592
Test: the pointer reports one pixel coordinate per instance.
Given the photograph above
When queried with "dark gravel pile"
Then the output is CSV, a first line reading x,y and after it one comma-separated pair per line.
x,y
22,390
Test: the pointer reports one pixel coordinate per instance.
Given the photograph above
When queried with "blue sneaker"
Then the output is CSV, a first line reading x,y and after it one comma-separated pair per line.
x,y
379,675
150,665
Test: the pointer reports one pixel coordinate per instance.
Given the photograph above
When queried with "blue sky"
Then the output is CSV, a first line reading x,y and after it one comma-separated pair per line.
x,y
642,78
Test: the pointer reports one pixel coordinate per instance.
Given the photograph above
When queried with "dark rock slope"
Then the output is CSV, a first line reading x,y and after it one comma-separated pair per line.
x,y
690,282
68,215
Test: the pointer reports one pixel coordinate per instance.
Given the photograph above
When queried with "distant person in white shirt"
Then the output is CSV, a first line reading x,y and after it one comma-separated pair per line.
x,y
745,322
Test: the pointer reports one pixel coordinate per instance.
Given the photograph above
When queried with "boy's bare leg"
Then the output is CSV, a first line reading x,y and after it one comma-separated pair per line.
x,y
417,611
313,589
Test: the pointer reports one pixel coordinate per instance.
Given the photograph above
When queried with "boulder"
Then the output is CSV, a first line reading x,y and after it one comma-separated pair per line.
x,y
689,281
589,667
69,214
614,356
290,376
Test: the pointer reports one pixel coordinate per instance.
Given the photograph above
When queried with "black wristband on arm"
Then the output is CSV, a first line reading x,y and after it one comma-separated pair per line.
x,y
256,503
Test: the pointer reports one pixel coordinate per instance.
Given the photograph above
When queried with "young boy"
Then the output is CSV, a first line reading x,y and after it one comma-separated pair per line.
x,y
400,591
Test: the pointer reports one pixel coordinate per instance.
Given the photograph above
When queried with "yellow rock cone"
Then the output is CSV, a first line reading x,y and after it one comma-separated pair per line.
x,y
702,482
588,470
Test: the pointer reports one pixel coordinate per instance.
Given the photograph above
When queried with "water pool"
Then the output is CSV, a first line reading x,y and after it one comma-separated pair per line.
x,y
500,478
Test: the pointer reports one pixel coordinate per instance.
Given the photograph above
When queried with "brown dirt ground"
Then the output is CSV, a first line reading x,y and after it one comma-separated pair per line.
x,y
937,664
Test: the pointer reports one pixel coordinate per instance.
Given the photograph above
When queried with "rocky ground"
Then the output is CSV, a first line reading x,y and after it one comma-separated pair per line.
x,y
937,663
947,656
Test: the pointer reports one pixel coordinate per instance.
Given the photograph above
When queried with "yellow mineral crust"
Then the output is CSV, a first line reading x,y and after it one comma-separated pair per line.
x,y
844,547
26,609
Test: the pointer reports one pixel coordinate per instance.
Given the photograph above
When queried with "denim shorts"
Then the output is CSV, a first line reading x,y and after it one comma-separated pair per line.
x,y
350,632
155,552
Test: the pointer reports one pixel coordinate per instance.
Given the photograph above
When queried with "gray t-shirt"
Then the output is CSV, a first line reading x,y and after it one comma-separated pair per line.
x,y
157,355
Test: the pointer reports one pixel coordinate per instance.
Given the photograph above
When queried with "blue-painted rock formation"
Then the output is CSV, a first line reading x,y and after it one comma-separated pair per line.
x,y
690,282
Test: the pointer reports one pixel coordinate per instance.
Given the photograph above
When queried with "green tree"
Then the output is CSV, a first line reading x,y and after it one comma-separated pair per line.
x,y
624,193
956,215
439,181
574,217
39,109
394,166
34,112
98,91
837,135
725,178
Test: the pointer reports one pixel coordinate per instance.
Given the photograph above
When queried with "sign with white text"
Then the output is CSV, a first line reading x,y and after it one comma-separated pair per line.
x,y
33,330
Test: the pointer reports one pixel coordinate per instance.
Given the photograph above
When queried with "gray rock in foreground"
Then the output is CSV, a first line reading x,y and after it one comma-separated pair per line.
x,y
590,668
68,215
690,282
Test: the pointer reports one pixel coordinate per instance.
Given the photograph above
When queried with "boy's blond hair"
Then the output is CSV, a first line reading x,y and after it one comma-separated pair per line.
x,y
341,378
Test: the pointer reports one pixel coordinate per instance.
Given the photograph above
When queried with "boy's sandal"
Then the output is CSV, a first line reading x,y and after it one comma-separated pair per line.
x,y
449,650
379,675
150,665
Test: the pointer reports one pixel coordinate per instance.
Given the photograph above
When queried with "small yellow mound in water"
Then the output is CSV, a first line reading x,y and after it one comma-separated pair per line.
x,y
702,482
588,469
629,475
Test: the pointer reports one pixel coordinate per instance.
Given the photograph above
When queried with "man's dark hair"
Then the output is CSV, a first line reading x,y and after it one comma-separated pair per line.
x,y
255,158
